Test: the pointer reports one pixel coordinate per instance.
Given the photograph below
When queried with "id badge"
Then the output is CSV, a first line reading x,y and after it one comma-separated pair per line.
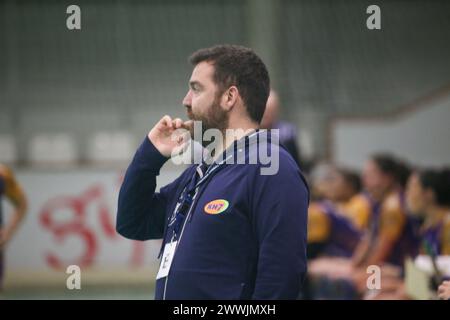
x,y
166,260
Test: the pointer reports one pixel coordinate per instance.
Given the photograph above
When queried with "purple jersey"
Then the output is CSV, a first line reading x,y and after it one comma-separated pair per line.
x,y
344,236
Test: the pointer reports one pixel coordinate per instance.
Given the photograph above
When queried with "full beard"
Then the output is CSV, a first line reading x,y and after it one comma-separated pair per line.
x,y
213,118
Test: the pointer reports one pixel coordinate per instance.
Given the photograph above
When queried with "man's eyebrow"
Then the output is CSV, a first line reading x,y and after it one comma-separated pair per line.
x,y
194,83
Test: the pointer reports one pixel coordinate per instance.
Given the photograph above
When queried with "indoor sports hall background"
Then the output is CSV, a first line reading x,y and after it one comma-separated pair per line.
x,y
75,104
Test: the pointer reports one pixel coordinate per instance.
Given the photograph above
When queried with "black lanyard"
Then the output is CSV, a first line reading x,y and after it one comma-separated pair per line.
x,y
188,196
186,201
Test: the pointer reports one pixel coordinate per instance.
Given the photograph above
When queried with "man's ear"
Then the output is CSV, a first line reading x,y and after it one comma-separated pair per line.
x,y
230,97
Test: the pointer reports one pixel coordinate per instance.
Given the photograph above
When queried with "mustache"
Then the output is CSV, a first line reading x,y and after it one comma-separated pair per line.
x,y
189,113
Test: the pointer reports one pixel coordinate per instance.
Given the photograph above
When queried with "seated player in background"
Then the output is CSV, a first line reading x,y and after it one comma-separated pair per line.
x,y
330,232
11,190
359,209
346,187
388,238
331,235
427,195
362,207
444,290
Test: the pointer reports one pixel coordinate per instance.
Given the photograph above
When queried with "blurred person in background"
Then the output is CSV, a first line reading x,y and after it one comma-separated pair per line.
x,y
444,290
362,207
330,232
389,235
346,186
428,196
287,131
389,238
343,190
12,191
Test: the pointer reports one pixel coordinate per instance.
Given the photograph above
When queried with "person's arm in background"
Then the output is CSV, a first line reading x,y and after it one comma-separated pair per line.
x,y
358,211
319,229
280,206
444,290
16,197
141,212
361,251
392,226
375,249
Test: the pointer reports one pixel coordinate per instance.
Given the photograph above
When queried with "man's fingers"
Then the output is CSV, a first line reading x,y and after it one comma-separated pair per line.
x,y
183,136
188,124
182,141
166,121
178,123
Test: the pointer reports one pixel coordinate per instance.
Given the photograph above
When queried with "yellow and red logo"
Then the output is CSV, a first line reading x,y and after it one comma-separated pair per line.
x,y
216,206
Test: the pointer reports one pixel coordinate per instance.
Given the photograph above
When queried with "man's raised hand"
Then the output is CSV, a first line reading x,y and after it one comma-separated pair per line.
x,y
170,136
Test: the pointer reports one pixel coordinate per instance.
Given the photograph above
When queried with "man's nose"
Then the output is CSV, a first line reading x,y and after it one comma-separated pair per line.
x,y
187,99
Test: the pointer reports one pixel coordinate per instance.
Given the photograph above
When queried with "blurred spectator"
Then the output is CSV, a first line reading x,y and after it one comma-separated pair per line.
x,y
380,211
331,233
287,131
444,290
319,181
10,188
428,193
390,237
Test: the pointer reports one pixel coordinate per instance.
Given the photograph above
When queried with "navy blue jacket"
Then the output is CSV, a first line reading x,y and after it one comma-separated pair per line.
x,y
255,249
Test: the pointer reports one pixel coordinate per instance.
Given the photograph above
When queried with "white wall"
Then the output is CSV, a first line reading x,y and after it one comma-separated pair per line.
x,y
71,215
422,137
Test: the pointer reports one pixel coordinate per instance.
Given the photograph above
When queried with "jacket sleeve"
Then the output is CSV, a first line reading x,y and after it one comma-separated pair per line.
x,y
280,209
141,211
